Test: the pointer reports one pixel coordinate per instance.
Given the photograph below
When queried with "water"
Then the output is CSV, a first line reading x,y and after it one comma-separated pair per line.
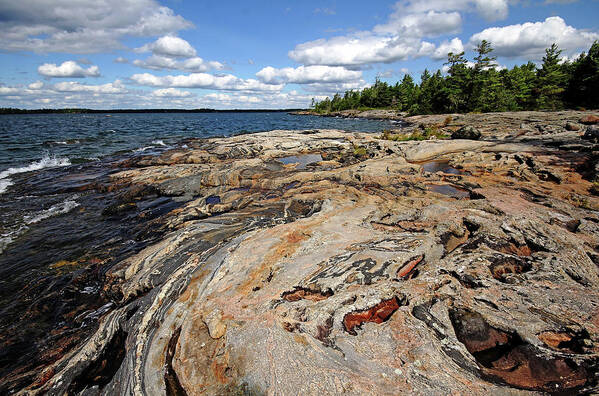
x,y
77,138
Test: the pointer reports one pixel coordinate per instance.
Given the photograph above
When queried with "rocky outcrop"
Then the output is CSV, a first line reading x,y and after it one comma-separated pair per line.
x,y
466,132
433,267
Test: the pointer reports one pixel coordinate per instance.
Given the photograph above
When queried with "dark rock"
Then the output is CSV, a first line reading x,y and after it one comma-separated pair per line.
x,y
466,132
572,127
592,133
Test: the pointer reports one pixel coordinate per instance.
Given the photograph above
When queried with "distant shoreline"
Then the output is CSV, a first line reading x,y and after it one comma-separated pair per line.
x,y
107,111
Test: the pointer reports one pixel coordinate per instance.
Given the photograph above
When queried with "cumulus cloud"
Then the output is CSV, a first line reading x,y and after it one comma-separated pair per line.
x,y
455,46
360,49
174,53
8,91
171,93
195,64
120,59
36,85
83,26
73,86
529,40
405,35
307,74
203,80
67,69
426,24
169,46
489,9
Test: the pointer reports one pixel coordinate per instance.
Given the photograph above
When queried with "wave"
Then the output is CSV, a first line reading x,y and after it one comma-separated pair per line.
x,y
4,184
159,142
54,210
46,162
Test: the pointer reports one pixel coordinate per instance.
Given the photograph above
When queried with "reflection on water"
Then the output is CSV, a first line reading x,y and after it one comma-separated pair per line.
x,y
449,190
301,160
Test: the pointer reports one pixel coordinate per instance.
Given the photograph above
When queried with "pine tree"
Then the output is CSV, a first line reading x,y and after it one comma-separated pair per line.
x,y
458,83
551,80
583,85
481,77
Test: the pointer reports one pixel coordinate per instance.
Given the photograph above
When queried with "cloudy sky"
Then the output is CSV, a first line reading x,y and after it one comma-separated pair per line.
x,y
261,54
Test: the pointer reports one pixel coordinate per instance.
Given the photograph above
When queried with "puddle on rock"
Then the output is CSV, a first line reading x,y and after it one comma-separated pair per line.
x,y
441,166
301,160
449,190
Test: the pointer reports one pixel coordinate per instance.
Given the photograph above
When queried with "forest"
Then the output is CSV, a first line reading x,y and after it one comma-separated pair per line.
x,y
481,86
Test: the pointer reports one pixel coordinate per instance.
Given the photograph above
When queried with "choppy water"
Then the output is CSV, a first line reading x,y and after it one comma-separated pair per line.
x,y
29,142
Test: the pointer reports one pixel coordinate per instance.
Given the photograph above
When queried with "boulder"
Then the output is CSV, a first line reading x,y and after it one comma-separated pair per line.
x,y
592,133
589,120
466,132
572,127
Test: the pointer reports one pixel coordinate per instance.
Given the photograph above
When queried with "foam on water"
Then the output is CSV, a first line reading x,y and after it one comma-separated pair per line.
x,y
158,142
4,184
10,235
54,210
46,162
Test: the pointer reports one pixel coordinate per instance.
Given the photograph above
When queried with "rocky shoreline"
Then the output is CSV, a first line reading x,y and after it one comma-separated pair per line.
x,y
327,262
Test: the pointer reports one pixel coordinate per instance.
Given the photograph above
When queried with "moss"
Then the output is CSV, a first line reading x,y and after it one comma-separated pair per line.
x,y
359,151
426,134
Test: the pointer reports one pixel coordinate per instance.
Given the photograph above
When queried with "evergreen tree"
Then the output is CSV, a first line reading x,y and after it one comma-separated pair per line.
x,y
583,85
551,80
457,87
481,76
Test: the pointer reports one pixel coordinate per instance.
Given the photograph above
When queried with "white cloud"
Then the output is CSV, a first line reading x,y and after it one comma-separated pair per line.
x,y
402,37
171,93
36,85
8,91
169,46
83,26
426,24
360,49
203,80
72,86
67,69
174,53
120,59
307,74
530,39
455,46
195,64
489,9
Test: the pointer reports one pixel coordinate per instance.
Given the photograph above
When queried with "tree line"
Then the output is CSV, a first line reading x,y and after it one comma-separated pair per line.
x,y
481,86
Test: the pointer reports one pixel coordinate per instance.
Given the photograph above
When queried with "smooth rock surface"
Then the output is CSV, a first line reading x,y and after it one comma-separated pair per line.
x,y
350,275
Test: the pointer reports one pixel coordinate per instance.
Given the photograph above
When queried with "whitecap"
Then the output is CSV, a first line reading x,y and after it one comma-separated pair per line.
x,y
4,184
54,210
46,162
139,150
158,142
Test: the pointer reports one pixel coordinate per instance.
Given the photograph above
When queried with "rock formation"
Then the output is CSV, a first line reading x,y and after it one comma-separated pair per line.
x,y
325,262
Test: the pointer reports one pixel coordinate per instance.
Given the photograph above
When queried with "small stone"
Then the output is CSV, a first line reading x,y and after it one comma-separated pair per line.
x,y
215,323
572,127
398,372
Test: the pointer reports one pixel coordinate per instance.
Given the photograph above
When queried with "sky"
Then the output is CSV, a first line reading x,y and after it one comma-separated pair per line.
x,y
106,54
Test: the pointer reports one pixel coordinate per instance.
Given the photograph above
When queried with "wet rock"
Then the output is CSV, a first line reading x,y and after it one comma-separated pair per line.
x,y
467,132
572,127
591,133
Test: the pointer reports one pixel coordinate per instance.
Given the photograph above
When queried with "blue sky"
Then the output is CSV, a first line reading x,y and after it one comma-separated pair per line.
x,y
261,54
